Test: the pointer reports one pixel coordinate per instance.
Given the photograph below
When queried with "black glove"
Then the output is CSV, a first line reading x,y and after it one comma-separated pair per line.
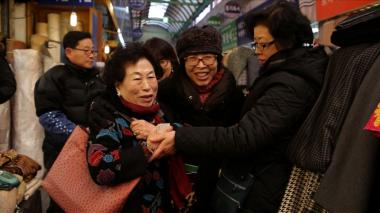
x,y
101,113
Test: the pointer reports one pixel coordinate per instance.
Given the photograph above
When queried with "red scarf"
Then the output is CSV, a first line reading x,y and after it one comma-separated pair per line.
x,y
141,110
204,92
179,183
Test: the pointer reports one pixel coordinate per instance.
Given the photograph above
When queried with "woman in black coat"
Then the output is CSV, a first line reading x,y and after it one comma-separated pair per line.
x,y
7,79
201,93
280,99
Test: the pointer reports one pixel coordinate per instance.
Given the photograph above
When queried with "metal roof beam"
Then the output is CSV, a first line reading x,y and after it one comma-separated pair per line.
x,y
175,2
198,11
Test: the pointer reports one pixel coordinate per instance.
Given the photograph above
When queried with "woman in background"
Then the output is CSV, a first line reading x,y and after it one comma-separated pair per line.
x,y
164,54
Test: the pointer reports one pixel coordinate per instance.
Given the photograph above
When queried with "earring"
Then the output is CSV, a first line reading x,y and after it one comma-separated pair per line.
x,y
118,92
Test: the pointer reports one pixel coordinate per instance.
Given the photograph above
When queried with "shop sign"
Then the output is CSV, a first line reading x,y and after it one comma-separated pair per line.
x,y
215,21
137,33
229,37
330,8
232,9
83,3
137,4
242,33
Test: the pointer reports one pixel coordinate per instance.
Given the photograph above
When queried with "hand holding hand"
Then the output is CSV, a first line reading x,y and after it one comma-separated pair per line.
x,y
142,128
166,145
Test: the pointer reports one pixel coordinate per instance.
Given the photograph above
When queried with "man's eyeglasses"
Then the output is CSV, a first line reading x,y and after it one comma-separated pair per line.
x,y
206,59
88,51
261,46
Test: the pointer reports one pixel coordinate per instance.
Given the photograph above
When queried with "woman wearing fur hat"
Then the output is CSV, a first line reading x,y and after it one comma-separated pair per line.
x,y
288,85
202,93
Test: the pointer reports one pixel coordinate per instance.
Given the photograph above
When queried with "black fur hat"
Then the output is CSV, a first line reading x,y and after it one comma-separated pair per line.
x,y
204,39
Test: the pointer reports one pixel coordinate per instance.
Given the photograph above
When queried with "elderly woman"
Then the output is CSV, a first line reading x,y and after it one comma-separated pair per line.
x,y
200,93
288,85
114,154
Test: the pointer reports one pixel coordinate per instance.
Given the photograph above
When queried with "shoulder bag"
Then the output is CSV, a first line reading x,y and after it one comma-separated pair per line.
x,y
70,185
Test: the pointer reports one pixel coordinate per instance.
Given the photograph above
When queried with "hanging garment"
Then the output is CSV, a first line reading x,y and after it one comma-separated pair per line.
x,y
351,182
313,145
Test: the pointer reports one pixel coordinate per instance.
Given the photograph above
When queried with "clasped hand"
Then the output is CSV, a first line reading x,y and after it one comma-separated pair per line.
x,y
160,138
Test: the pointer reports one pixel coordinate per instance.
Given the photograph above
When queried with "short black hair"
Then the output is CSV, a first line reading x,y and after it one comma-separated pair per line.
x,y
288,26
72,38
161,49
122,57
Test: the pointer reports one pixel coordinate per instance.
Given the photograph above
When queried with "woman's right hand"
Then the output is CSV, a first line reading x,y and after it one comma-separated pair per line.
x,y
142,128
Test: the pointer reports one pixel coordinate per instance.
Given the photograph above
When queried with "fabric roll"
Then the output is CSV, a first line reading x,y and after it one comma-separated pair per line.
x,y
27,133
37,41
13,44
48,62
54,27
65,24
5,126
54,50
20,22
31,187
42,28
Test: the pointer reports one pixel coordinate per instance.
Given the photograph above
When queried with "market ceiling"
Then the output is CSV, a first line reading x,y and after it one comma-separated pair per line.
x,y
172,15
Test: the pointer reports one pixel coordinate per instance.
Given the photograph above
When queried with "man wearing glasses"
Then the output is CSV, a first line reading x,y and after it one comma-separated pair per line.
x,y
62,95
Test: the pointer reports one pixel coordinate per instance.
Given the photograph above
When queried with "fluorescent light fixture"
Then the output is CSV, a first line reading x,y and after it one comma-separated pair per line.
x,y
165,20
202,14
157,10
73,19
121,39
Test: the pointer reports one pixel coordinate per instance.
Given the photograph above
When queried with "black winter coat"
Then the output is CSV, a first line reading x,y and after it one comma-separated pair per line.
x,y
69,89
279,100
7,81
222,108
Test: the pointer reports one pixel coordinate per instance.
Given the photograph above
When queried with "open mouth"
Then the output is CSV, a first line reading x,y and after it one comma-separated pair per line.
x,y
202,75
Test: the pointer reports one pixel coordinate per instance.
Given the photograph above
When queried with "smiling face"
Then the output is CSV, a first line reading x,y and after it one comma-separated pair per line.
x,y
139,85
265,45
201,68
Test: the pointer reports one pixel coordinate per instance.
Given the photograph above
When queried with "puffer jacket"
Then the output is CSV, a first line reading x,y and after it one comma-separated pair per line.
x,y
7,81
279,101
69,89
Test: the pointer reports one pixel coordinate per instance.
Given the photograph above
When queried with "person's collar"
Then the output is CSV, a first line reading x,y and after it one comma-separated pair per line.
x,y
81,70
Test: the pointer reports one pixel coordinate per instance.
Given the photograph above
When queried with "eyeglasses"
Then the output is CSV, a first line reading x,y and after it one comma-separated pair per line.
x,y
261,46
88,51
206,59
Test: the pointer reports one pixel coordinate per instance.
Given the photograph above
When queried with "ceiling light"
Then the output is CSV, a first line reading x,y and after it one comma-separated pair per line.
x,y
107,49
157,10
73,19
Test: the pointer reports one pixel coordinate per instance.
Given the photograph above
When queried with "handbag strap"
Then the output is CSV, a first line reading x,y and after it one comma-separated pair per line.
x,y
126,117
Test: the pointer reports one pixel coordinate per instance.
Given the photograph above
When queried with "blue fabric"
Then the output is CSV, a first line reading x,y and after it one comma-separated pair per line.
x,y
56,122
